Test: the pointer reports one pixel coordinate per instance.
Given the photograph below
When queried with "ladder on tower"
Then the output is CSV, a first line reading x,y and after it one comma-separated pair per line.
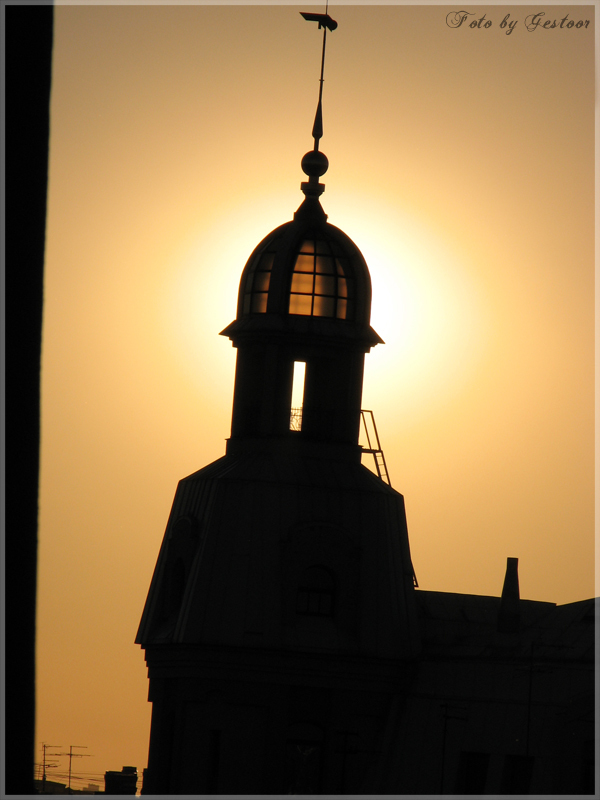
x,y
373,445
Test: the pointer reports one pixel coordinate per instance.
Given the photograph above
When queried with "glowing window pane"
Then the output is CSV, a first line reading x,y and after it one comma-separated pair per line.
x,y
324,306
302,283
308,246
321,273
325,285
266,262
304,264
257,282
259,303
325,265
300,304
261,281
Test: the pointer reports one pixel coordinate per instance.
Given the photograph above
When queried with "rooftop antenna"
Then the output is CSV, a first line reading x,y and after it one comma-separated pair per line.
x,y
326,23
73,755
315,163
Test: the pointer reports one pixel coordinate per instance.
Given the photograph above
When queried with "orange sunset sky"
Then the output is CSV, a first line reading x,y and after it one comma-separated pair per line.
x,y
461,163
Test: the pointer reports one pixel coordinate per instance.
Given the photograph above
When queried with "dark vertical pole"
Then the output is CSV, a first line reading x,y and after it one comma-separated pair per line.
x,y
27,32
44,769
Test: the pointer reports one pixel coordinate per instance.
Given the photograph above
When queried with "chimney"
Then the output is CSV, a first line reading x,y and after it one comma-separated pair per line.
x,y
509,613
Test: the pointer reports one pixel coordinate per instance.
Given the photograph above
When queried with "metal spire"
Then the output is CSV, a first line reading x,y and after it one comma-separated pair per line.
x,y
314,163
326,23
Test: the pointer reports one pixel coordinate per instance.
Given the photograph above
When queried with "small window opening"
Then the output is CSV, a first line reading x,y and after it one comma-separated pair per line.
x,y
297,396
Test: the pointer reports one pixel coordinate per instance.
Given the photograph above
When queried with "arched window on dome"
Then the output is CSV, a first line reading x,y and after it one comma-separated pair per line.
x,y
182,543
174,586
258,279
321,285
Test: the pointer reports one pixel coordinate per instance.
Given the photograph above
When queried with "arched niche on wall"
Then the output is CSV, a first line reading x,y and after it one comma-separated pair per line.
x,y
320,578
303,758
316,592
182,540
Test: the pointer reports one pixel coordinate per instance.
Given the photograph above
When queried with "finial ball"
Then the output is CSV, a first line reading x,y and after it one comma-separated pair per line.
x,y
315,163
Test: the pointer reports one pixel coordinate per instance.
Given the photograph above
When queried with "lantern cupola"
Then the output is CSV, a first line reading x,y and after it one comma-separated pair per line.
x,y
304,296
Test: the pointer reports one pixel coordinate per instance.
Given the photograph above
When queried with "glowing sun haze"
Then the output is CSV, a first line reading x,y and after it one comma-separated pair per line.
x,y
461,163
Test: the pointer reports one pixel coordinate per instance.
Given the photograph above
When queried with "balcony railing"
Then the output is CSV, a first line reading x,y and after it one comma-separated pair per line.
x,y
295,419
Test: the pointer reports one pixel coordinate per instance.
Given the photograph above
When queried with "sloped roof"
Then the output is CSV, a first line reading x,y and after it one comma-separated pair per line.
x,y
463,624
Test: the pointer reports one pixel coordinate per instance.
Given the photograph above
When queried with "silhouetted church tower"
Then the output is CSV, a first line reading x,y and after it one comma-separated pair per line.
x,y
281,617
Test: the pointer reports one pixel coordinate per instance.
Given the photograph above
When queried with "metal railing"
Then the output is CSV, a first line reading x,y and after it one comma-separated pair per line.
x,y
295,419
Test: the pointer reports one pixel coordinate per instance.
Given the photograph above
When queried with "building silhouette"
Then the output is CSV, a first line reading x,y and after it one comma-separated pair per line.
x,y
27,46
289,650
123,782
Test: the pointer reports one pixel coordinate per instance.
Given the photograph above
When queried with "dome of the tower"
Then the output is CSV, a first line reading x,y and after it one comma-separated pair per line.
x,y
303,274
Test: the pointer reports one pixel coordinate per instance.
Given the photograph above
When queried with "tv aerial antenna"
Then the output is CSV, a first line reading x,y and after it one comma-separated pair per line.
x,y
73,755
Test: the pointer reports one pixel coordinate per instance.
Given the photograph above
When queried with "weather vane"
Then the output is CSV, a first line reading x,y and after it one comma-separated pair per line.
x,y
326,23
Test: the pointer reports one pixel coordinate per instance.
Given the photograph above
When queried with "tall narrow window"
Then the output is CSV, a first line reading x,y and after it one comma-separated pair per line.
x,y
297,396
